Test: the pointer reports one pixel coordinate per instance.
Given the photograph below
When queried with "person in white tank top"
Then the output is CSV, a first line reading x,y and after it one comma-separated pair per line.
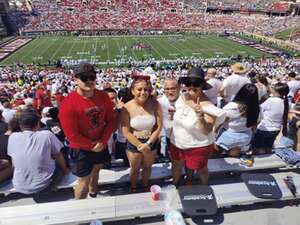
x,y
141,122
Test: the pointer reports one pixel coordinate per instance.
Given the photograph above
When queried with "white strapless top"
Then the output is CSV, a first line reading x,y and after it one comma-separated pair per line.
x,y
143,122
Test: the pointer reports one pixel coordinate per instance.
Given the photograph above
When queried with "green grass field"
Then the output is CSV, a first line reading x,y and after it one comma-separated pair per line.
x,y
285,34
103,49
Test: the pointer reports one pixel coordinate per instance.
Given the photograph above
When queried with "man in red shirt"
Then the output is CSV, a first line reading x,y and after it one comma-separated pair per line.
x,y
88,120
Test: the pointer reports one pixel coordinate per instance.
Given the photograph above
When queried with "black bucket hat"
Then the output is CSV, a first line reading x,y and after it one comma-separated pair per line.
x,y
195,75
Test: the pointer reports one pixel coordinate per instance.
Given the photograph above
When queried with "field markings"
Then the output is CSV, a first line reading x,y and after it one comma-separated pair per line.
x,y
70,49
166,51
83,50
58,48
33,49
131,50
161,57
107,49
174,46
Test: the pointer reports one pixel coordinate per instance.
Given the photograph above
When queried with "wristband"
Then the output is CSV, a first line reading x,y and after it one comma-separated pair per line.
x,y
149,144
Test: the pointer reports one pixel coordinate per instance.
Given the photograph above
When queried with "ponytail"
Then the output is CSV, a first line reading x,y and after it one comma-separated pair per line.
x,y
283,89
285,115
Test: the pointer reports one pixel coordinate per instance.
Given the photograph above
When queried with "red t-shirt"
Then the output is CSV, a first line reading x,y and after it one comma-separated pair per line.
x,y
87,120
43,97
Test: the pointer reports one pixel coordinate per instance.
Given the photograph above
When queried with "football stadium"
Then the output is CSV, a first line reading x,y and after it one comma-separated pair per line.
x,y
149,112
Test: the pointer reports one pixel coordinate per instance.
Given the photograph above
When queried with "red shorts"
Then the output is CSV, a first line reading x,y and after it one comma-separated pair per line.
x,y
195,158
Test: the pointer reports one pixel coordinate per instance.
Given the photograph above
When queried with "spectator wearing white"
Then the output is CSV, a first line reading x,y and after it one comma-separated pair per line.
x,y
233,83
7,111
274,117
294,85
167,103
216,84
192,136
242,114
262,87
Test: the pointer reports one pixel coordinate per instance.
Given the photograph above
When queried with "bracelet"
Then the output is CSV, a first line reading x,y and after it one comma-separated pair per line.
x,y
149,144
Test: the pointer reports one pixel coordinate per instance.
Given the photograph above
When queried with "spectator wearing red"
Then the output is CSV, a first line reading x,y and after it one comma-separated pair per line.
x,y
88,120
42,98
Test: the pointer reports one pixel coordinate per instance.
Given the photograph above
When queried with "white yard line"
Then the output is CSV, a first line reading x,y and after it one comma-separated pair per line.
x,y
154,49
33,49
72,46
136,58
107,49
57,49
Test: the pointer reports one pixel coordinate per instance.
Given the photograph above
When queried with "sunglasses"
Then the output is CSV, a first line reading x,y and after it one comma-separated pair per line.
x,y
87,77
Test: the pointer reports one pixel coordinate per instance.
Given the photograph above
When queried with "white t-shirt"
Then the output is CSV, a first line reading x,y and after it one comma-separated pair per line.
x,y
8,114
294,86
31,153
232,85
168,111
272,112
237,122
213,93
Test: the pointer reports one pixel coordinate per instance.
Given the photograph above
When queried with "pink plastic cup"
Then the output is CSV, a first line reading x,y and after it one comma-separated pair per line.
x,y
155,192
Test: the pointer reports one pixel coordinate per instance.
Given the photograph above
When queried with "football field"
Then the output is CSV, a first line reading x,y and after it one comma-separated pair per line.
x,y
101,50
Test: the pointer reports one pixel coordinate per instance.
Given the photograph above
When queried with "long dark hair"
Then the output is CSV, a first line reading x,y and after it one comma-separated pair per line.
x,y
283,90
247,99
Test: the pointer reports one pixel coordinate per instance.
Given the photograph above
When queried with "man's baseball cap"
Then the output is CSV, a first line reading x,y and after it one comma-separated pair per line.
x,y
83,68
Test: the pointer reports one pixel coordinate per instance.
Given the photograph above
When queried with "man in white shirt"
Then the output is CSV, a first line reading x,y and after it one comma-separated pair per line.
x,y
167,102
294,85
7,112
216,84
233,83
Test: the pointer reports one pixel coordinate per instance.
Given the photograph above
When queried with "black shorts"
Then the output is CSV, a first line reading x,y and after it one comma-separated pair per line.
x,y
82,162
120,152
132,148
264,139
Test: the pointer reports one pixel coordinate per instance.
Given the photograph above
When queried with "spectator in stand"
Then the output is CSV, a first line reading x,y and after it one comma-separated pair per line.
x,y
167,103
7,113
42,98
141,125
294,85
117,105
124,96
262,87
88,120
6,169
292,138
216,84
3,124
232,84
242,114
274,118
33,155
192,136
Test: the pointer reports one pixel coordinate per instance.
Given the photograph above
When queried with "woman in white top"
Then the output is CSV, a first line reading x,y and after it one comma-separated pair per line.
x,y
192,136
242,114
274,117
141,125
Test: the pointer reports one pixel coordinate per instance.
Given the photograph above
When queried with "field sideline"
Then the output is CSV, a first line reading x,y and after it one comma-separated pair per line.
x,y
103,49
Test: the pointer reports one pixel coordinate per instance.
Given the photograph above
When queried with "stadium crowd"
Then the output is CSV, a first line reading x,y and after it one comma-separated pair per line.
x,y
100,15
81,118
